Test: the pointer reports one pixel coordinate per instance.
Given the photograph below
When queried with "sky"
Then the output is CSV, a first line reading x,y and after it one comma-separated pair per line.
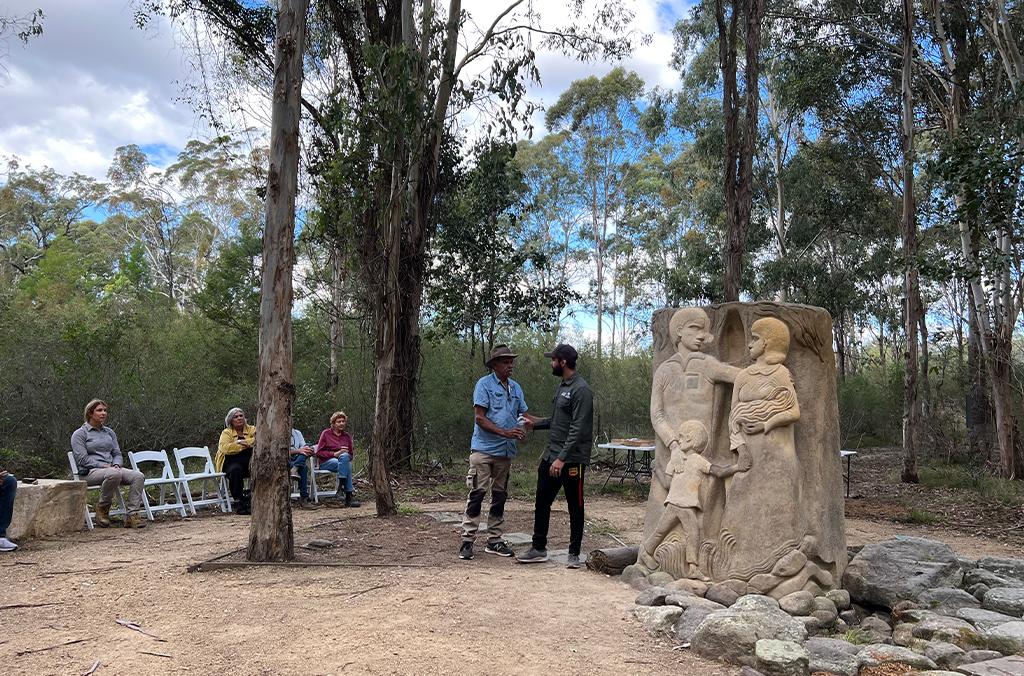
x,y
94,81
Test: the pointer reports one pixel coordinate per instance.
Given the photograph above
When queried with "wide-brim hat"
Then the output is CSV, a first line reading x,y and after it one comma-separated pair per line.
x,y
499,352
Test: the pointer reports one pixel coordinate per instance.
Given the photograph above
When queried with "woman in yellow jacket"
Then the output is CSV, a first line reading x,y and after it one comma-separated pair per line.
x,y
234,452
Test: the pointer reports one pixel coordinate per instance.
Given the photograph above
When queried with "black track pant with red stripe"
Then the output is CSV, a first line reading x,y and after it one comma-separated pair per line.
x,y
571,478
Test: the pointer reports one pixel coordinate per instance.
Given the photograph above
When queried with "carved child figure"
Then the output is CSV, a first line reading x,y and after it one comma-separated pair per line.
x,y
686,471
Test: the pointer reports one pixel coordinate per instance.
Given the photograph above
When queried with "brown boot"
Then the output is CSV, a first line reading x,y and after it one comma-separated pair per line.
x,y
102,516
133,520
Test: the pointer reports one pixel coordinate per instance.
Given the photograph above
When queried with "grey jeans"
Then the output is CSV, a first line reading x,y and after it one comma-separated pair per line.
x,y
112,477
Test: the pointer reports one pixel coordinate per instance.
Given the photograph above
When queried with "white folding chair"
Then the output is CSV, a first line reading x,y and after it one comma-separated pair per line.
x,y
90,515
296,494
204,476
314,487
165,481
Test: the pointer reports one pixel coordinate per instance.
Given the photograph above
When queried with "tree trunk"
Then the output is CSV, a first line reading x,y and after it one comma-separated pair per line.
x,y
911,295
977,404
270,531
336,300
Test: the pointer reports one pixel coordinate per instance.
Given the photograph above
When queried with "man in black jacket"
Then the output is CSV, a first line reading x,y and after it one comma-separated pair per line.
x,y
566,457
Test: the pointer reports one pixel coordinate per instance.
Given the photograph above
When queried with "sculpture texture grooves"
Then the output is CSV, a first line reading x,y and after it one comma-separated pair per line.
x,y
746,485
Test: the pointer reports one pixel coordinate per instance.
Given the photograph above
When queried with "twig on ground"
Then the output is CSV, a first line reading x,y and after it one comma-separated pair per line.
x,y
92,670
51,647
28,605
368,589
134,627
148,652
51,573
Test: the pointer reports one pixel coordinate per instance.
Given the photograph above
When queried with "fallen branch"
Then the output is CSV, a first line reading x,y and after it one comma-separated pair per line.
x,y
134,627
28,605
51,573
92,670
51,647
368,589
147,652
612,561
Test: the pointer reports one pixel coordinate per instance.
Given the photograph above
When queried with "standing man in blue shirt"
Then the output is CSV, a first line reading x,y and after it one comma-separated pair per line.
x,y
497,404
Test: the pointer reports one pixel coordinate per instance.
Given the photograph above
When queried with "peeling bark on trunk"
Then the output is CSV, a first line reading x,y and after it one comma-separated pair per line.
x,y
270,531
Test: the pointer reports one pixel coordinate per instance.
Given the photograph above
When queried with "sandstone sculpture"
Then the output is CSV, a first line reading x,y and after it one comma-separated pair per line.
x,y
747,478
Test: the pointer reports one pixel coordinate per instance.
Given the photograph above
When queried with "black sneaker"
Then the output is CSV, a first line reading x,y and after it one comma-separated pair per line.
x,y
466,551
534,555
500,548
573,561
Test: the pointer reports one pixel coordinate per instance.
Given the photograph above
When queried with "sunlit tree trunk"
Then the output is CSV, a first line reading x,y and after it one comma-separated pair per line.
x,y
270,531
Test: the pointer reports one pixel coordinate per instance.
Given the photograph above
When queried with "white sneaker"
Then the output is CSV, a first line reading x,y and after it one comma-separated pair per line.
x,y
7,546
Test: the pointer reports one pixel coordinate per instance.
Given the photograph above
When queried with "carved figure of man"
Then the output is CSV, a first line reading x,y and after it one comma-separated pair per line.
x,y
687,469
683,389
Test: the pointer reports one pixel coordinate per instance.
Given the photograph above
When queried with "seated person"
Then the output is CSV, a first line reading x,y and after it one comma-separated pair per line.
x,y
8,487
335,451
98,456
298,461
234,453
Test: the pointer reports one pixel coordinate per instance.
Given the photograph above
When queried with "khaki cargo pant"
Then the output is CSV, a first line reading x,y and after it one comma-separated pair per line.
x,y
111,478
485,472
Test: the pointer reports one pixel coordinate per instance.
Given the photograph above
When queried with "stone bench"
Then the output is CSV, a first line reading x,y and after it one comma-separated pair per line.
x,y
49,507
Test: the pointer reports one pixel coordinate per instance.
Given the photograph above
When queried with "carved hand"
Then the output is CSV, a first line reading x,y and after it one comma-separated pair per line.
x,y
752,427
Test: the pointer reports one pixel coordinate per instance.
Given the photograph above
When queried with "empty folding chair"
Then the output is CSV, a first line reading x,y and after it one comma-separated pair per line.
x,y
165,481
205,477
90,515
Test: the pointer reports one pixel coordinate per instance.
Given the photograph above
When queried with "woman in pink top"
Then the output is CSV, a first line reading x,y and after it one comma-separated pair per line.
x,y
334,451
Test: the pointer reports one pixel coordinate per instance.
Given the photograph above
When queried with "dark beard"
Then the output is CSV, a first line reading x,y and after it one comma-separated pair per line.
x,y
557,371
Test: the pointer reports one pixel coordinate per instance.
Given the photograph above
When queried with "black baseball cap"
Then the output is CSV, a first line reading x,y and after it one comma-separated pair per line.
x,y
563,351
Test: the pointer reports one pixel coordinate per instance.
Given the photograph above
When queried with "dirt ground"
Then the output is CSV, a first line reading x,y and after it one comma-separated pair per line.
x,y
434,615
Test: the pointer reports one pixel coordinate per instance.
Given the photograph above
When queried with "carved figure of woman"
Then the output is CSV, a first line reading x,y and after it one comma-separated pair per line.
x,y
759,524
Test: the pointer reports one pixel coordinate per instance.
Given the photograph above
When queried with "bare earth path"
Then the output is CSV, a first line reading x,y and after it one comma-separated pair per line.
x,y
487,616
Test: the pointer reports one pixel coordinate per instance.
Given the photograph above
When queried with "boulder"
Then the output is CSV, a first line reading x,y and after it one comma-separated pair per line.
x,y
833,656
798,603
686,625
653,596
658,620
947,600
1008,600
877,654
878,630
640,583
825,611
984,619
976,576
633,572
978,591
1006,638
949,629
730,634
781,658
900,569
840,597
685,601
720,593
850,617
1009,569
695,587
48,507
902,634
660,579
946,655
1003,666
973,656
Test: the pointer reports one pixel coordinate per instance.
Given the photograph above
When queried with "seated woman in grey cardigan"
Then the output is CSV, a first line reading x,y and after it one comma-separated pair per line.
x,y
98,457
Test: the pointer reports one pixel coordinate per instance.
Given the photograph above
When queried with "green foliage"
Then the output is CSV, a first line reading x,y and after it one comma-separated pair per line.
x,y
974,479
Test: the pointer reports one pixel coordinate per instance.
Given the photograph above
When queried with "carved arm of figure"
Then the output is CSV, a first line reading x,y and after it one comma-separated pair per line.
x,y
659,420
743,463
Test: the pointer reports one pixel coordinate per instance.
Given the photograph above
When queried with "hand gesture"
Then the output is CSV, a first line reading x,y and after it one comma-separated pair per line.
x,y
514,433
752,427
556,468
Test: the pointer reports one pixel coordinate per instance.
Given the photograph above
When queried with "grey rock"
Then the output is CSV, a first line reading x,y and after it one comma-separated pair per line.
x,y
633,572
781,658
686,625
750,671
810,622
731,634
949,629
658,620
840,627
798,603
840,597
660,579
695,587
945,655
719,593
973,656
1009,600
825,611
640,584
832,656
976,576
902,634
900,569
1011,569
319,543
978,590
878,654
654,596
850,617
984,619
690,601
1004,666
876,628
947,600
1006,638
